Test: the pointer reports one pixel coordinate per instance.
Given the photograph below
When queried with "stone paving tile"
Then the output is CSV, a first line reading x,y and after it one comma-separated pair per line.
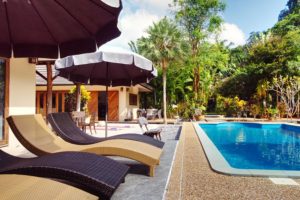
x,y
141,186
200,182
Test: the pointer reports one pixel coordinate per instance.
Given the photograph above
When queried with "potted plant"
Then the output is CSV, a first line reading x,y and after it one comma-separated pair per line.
x,y
198,112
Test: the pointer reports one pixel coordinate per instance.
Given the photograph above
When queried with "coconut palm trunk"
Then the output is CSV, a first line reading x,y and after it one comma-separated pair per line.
x,y
163,45
165,94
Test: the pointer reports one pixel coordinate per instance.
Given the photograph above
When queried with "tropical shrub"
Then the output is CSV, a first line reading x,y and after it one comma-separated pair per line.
x,y
185,110
281,108
71,99
230,106
272,112
255,110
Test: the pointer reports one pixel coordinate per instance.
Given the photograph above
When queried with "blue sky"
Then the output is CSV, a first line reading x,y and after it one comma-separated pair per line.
x,y
241,18
253,15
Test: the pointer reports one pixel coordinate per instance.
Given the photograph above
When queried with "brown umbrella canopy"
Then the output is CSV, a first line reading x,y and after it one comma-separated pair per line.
x,y
53,28
108,66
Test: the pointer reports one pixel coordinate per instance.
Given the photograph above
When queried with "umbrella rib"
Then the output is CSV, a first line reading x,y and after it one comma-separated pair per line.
x,y
8,22
48,29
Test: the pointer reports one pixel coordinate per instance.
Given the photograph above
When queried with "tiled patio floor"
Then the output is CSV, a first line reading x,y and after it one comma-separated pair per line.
x,y
192,177
138,185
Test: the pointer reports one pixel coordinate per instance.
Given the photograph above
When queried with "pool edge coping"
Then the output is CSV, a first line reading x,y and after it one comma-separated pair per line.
x,y
219,164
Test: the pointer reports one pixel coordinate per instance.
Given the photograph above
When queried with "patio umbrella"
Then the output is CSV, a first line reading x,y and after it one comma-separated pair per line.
x,y
56,28
109,67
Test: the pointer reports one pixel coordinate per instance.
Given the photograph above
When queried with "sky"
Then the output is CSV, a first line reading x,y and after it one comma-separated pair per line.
x,y
241,17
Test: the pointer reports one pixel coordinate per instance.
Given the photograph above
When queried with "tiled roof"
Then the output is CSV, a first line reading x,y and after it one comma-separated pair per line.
x,y
42,69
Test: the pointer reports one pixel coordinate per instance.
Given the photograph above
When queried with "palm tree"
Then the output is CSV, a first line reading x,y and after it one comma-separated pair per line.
x,y
163,44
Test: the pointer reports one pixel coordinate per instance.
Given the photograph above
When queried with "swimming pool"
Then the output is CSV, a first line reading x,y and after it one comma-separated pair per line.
x,y
254,149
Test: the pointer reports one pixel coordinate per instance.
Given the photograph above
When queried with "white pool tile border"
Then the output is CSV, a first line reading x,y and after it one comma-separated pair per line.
x,y
284,181
220,165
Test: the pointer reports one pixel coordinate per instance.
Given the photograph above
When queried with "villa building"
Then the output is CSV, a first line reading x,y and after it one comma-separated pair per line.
x,y
122,100
23,91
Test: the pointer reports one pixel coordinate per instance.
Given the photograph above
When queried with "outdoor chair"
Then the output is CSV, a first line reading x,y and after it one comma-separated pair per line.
x,y
78,117
82,121
98,175
64,127
151,113
152,132
21,187
90,121
34,134
159,114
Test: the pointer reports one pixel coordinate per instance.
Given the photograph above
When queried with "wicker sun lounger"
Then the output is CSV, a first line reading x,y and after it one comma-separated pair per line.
x,y
98,175
21,187
36,136
64,126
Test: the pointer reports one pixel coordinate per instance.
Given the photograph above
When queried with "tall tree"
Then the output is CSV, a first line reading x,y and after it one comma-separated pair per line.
x,y
163,45
288,89
292,5
199,18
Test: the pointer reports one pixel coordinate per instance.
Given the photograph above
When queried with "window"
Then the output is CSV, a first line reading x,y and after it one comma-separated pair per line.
x,y
132,99
58,102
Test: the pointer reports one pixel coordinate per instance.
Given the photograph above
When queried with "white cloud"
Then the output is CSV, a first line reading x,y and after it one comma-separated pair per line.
x,y
133,26
158,6
231,33
138,15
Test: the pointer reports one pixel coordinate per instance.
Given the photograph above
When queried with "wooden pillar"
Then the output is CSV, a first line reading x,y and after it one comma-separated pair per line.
x,y
78,97
49,88
63,101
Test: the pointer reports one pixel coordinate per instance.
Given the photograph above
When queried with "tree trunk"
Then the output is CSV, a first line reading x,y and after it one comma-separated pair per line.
x,y
196,79
49,88
165,94
78,97
196,82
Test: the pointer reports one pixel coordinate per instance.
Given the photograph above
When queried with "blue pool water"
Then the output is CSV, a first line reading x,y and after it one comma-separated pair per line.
x,y
257,146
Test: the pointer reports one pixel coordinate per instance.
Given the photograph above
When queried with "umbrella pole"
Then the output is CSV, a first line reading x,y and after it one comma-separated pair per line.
x,y
106,98
106,110
49,88
78,97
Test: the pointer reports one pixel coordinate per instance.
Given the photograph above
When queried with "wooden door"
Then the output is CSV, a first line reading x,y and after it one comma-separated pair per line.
x,y
93,104
113,106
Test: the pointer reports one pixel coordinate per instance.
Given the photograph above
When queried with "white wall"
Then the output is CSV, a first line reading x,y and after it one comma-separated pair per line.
x,y
21,91
124,106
